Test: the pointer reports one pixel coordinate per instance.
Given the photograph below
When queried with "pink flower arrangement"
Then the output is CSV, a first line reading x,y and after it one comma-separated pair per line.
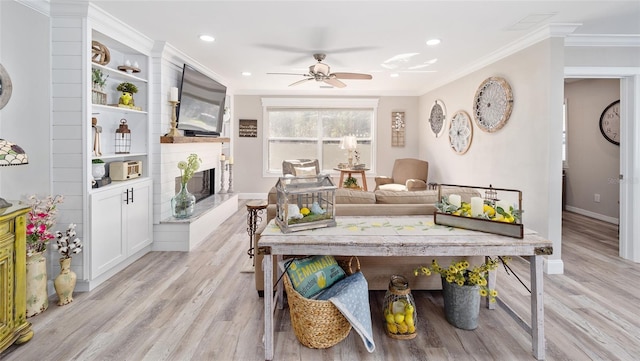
x,y
40,219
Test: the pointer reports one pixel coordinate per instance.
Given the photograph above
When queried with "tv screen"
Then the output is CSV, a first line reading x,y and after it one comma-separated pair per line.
x,y
201,106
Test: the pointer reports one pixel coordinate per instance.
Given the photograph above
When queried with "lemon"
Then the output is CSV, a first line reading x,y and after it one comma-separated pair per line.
x,y
392,327
398,317
408,309
489,210
304,211
390,319
322,280
403,328
412,329
409,320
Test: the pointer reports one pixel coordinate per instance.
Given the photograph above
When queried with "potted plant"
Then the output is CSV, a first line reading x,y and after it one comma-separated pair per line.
x,y
351,182
99,79
97,169
67,245
127,89
40,219
462,286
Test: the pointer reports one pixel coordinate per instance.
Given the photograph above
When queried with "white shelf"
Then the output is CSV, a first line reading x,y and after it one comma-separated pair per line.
x,y
117,156
112,108
118,73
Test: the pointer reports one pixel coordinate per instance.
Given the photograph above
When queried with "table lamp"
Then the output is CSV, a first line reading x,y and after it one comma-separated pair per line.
x,y
11,154
349,142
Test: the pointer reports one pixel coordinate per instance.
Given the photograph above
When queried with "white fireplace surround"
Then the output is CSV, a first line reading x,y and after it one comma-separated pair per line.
x,y
171,234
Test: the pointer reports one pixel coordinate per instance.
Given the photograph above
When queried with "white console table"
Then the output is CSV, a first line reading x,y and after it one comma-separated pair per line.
x,y
401,236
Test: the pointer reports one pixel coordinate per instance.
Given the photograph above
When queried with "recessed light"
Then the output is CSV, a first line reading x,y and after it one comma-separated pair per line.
x,y
433,42
394,75
246,73
208,38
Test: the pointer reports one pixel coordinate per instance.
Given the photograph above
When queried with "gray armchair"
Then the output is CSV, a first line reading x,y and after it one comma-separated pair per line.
x,y
408,175
300,167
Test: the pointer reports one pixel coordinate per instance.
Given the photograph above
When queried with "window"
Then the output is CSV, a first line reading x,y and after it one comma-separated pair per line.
x,y
312,129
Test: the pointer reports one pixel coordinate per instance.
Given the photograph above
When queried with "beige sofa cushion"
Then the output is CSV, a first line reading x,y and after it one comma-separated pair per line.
x,y
414,197
348,196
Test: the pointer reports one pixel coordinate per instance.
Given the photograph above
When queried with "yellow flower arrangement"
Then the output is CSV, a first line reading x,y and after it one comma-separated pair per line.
x,y
461,273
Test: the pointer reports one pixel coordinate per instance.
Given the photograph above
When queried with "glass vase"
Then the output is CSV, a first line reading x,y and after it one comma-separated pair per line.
x,y
399,309
183,203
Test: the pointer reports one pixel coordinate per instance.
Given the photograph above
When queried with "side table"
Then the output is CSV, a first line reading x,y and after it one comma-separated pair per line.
x,y
254,217
349,171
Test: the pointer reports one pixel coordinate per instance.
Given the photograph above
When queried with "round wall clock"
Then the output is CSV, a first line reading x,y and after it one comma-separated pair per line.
x,y
460,132
437,118
5,87
610,122
492,104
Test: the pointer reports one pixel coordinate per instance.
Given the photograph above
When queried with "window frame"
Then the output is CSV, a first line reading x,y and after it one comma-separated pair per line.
x,y
316,103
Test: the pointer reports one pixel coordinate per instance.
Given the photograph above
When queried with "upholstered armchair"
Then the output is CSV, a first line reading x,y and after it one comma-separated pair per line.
x,y
300,167
408,175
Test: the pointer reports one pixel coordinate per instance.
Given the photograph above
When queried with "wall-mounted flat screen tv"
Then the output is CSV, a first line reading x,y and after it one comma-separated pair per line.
x,y
201,106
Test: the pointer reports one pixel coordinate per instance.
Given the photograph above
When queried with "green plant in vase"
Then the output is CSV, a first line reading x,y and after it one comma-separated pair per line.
x,y
182,204
98,79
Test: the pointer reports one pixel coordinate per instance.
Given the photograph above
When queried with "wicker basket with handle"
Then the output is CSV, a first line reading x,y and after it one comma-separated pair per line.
x,y
318,324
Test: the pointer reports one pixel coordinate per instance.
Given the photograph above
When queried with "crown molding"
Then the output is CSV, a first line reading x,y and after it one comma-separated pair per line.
x,y
542,33
41,6
622,40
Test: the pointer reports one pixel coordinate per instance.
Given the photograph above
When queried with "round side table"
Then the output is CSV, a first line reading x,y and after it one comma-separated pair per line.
x,y
254,217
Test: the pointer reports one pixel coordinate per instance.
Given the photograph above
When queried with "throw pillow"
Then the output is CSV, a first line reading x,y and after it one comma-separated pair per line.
x,y
393,187
311,275
305,171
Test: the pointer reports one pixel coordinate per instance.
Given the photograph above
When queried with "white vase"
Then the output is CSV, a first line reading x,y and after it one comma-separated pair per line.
x,y
37,297
98,170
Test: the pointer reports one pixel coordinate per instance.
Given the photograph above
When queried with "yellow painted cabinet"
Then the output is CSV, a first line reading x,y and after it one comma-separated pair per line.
x,y
14,327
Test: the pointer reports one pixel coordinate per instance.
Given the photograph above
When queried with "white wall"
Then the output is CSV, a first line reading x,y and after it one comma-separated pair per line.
x,y
248,177
523,154
25,120
593,162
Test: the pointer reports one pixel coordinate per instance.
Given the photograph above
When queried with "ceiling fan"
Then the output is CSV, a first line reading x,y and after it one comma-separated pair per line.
x,y
321,72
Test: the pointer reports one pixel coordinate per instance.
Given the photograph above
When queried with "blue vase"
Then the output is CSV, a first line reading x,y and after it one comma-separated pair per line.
x,y
183,203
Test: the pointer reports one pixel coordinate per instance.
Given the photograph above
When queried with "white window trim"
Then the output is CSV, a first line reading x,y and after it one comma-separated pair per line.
x,y
316,103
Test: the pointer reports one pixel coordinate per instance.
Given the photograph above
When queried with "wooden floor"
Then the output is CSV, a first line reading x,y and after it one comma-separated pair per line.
x,y
199,306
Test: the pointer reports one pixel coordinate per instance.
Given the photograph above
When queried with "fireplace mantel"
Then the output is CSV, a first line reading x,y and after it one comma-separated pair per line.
x,y
168,139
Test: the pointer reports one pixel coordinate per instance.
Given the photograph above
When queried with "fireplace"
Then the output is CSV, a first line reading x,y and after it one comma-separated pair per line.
x,y
201,185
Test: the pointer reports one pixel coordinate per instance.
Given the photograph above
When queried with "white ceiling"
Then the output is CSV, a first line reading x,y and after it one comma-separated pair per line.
x,y
359,36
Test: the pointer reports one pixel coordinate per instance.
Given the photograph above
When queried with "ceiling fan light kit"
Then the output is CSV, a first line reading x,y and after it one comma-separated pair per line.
x,y
321,72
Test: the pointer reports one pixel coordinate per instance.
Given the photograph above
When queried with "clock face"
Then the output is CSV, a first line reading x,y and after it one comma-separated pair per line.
x,y
437,118
5,87
492,104
610,122
460,132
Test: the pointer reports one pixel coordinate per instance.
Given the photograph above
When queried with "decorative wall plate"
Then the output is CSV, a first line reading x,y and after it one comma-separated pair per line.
x,y
610,122
438,117
492,104
5,87
460,132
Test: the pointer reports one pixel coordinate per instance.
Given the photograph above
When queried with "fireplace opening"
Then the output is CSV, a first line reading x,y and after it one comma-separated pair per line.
x,y
201,185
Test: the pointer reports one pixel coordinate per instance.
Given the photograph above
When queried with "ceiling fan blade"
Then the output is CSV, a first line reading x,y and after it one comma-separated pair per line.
x,y
335,82
301,81
352,76
297,74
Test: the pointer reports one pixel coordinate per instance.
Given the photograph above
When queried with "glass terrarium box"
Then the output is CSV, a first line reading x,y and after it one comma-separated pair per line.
x,y
491,210
305,203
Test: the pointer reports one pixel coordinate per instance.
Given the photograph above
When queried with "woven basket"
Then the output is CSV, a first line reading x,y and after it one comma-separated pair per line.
x,y
318,324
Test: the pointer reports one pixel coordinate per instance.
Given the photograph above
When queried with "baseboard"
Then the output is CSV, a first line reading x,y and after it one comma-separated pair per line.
x,y
594,215
553,266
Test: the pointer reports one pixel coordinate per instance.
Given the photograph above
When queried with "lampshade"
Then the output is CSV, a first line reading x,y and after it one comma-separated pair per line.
x,y
12,154
348,142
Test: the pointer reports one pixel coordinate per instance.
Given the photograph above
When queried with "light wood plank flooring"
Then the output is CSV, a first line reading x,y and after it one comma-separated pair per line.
x,y
198,306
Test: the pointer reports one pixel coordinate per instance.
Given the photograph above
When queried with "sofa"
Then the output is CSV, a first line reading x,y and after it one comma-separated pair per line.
x,y
378,270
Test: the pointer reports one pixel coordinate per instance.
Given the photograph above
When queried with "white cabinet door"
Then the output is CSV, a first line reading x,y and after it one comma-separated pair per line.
x,y
137,214
107,244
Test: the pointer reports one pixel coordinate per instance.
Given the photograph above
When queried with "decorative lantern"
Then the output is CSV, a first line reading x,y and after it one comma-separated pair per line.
x,y
399,309
123,138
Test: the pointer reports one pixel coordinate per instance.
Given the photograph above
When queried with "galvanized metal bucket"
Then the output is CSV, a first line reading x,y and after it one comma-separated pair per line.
x,y
461,305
